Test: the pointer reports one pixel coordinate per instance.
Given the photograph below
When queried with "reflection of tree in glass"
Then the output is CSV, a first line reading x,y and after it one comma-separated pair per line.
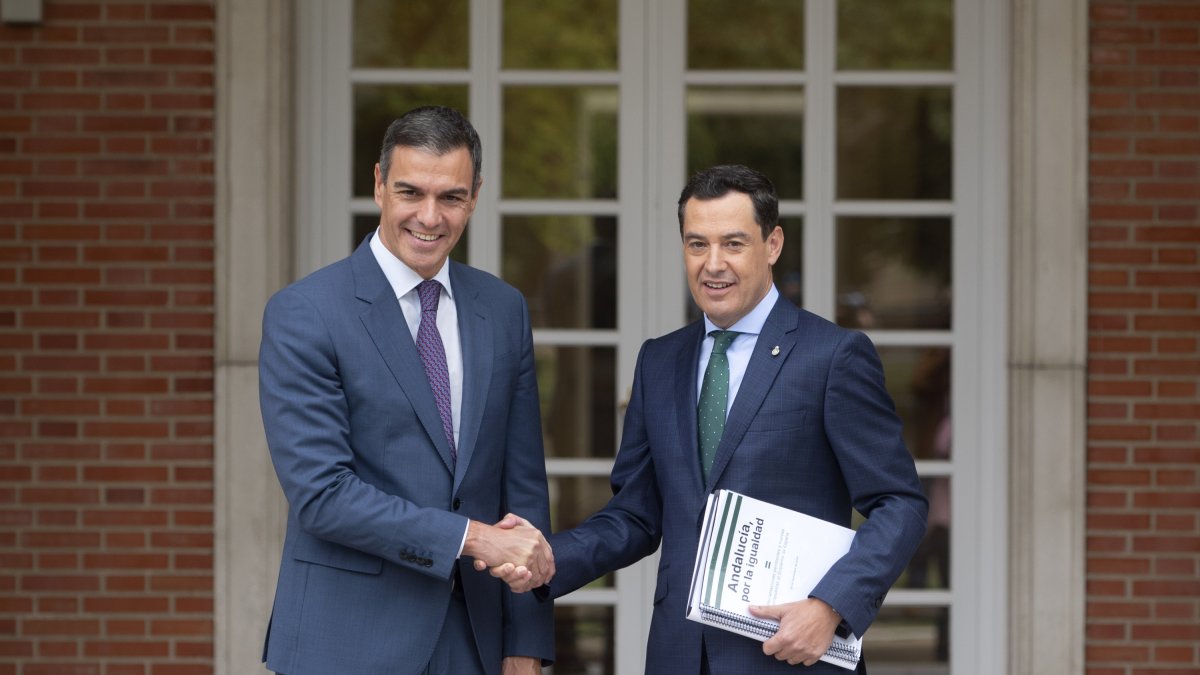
x,y
745,35
390,34
895,35
560,142
565,267
894,272
923,244
584,636
560,34
893,142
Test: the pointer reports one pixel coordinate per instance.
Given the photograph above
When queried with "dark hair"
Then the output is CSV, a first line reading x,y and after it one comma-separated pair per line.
x,y
718,181
434,128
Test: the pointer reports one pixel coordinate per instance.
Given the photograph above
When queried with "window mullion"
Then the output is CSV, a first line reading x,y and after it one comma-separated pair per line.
x,y
486,114
820,40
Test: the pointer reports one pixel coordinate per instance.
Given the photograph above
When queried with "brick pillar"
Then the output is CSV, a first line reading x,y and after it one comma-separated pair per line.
x,y
106,275
1143,516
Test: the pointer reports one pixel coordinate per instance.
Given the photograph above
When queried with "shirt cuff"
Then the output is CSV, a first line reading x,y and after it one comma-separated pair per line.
x,y
463,543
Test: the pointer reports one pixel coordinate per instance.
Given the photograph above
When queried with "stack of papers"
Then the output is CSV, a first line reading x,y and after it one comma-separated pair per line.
x,y
752,552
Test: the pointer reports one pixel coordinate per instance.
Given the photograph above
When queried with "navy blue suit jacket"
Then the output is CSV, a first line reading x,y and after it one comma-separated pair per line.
x,y
812,429
376,508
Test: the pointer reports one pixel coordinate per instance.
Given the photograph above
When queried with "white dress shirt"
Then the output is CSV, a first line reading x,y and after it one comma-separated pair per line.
x,y
404,282
740,349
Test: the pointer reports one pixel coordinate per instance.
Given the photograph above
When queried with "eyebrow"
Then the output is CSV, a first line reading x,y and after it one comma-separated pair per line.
x,y
399,184
725,237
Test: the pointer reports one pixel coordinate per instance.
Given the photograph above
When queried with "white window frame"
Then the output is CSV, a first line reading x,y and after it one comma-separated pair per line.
x,y
652,81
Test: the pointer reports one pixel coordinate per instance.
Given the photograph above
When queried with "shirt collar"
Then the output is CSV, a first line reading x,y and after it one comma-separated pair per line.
x,y
752,323
401,277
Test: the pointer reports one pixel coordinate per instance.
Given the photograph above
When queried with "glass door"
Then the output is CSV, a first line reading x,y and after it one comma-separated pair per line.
x,y
866,115
848,107
559,216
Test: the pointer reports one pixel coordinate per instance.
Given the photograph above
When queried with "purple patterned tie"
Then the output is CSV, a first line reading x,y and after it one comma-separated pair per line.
x,y
433,354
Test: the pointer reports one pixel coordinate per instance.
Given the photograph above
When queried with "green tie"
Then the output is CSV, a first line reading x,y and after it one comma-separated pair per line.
x,y
714,398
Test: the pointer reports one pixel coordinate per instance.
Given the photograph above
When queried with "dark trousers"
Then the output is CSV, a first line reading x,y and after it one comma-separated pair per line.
x,y
455,652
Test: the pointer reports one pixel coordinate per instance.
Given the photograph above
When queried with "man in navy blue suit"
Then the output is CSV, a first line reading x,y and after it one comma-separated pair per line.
x,y
798,417
401,410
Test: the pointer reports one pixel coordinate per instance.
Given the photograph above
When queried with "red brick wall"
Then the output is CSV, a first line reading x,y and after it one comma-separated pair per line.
x,y
106,306
1143,517
106,322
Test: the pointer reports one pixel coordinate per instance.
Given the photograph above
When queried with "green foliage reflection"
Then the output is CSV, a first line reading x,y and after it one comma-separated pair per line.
x,y
390,34
895,35
560,142
745,35
560,34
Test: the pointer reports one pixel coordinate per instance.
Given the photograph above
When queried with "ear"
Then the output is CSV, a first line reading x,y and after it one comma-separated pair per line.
x,y
475,194
775,244
379,187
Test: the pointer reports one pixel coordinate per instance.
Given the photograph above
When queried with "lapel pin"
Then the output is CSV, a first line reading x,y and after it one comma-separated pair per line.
x,y
775,350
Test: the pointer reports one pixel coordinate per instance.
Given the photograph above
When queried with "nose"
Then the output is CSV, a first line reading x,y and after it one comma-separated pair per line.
x,y
428,213
715,261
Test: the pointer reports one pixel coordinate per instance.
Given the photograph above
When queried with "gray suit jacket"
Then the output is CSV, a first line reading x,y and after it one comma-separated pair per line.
x,y
812,429
376,508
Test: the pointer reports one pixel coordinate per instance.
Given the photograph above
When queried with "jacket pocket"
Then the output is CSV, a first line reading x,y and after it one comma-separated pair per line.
x,y
767,421
329,554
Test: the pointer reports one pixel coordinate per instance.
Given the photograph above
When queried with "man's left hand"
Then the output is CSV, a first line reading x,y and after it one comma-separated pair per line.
x,y
520,665
805,630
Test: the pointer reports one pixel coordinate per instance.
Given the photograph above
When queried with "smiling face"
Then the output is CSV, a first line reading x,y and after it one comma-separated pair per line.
x,y
425,202
727,260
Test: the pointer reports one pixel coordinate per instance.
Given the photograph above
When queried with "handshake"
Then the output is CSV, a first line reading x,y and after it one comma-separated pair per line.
x,y
513,550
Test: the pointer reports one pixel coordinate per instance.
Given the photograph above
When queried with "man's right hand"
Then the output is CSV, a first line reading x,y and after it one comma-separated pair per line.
x,y
513,549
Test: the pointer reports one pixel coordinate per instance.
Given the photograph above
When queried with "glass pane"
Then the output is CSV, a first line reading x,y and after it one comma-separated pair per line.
x,y
376,106
390,34
893,143
918,379
761,127
583,640
572,500
910,640
366,224
578,391
895,35
566,266
930,565
560,34
893,273
745,35
560,142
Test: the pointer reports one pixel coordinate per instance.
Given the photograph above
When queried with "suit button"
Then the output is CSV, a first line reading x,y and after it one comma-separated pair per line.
x,y
457,504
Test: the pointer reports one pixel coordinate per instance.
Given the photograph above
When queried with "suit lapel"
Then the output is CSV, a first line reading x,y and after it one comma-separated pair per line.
x,y
384,322
475,334
687,362
764,365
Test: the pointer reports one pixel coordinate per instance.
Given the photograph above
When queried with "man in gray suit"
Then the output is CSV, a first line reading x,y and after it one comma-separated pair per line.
x,y
401,410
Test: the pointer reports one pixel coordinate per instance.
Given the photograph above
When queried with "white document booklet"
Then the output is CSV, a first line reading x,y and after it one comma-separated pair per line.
x,y
755,553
